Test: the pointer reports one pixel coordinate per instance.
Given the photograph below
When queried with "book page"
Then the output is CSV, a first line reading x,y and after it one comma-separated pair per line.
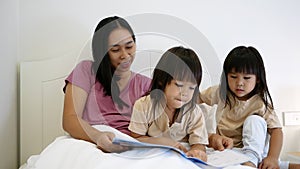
x,y
215,159
225,158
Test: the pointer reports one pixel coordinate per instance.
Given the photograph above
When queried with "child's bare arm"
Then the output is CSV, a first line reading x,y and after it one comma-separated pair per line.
x,y
274,149
276,140
159,140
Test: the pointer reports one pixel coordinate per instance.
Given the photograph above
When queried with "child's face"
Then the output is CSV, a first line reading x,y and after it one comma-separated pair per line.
x,y
241,84
179,93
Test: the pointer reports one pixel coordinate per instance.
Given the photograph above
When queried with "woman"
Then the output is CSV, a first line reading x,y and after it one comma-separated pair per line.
x,y
104,90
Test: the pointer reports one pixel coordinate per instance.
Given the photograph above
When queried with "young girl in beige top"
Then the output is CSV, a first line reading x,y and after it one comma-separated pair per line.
x,y
169,114
245,110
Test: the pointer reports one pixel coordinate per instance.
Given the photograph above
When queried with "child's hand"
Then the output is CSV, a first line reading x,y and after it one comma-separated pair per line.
x,y
180,147
220,142
269,162
198,154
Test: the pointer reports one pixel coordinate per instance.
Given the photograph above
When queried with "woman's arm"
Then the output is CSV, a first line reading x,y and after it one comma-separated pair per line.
x,y
75,99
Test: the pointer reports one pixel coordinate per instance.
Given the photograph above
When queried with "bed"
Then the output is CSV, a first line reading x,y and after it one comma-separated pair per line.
x,y
43,143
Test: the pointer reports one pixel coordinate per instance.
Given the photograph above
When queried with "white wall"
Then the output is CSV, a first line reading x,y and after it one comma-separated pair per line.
x,y
8,83
54,28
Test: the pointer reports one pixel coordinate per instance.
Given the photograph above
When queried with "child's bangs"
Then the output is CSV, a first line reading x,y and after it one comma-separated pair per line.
x,y
184,73
245,65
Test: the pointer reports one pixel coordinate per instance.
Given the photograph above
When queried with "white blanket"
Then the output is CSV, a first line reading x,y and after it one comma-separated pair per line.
x,y
69,153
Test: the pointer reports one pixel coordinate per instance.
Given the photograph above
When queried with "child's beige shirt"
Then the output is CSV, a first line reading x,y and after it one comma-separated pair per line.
x,y
188,127
230,121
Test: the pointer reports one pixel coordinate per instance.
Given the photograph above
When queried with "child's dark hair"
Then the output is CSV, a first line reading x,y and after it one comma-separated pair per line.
x,y
102,67
248,60
177,63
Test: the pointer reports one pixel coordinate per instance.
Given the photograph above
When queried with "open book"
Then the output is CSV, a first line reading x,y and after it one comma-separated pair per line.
x,y
216,159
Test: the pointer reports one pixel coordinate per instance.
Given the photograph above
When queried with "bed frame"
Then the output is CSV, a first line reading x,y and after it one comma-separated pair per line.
x,y
41,103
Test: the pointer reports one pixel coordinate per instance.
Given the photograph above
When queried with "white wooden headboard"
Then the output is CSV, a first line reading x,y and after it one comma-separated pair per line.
x,y
41,103
41,97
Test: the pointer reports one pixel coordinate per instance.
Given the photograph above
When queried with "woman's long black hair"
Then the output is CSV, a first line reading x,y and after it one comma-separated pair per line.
x,y
101,66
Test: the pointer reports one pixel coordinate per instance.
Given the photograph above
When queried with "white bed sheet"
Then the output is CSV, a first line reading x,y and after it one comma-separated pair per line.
x,y
69,153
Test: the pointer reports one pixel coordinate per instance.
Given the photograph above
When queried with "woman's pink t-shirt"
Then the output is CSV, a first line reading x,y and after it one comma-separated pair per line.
x,y
100,109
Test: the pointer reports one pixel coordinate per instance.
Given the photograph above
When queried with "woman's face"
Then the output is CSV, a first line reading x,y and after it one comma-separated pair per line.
x,y
121,49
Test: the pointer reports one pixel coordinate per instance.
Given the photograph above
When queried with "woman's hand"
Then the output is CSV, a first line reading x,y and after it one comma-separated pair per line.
x,y
104,143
